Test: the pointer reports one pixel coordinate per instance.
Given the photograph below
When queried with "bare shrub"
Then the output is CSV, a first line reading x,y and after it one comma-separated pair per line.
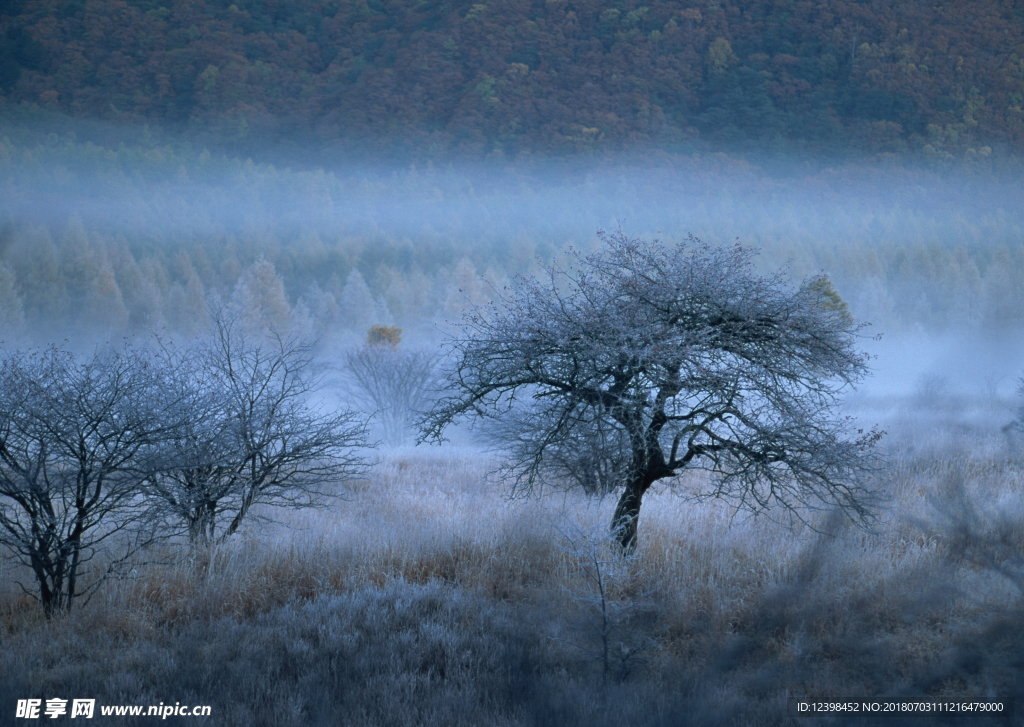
x,y
250,432
932,389
395,383
604,633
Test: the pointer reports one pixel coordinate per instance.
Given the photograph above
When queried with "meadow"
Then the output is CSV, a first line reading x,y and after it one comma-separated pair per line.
x,y
422,595
133,203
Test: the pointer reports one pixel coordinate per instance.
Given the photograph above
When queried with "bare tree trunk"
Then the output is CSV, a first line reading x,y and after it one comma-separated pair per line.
x,y
201,521
243,509
627,513
76,555
45,593
648,467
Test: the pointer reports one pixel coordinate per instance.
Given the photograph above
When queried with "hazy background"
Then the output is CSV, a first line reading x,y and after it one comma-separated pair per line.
x,y
104,241
384,155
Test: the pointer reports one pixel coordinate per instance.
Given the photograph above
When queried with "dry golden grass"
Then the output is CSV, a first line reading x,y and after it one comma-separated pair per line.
x,y
426,597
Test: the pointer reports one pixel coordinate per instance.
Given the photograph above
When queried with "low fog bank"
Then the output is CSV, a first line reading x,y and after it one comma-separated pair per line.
x,y
102,239
958,363
161,191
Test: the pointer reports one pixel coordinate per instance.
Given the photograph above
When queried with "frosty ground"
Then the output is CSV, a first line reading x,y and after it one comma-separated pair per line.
x,y
422,596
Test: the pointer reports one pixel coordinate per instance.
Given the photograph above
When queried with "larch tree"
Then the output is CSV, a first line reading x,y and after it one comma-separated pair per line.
x,y
358,310
646,359
260,297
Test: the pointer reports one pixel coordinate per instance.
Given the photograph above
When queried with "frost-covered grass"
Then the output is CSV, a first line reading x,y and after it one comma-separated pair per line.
x,y
425,597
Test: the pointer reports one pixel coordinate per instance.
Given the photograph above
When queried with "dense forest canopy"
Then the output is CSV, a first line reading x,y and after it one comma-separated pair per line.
x,y
932,81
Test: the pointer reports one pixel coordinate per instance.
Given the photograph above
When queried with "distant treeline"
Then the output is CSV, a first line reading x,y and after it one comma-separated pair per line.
x,y
935,81
134,237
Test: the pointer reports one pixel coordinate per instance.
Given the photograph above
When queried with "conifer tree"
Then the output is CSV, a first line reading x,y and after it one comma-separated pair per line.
x,y
358,309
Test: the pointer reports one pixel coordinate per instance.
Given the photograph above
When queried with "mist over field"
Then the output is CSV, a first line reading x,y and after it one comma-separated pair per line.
x,y
301,309
929,259
104,243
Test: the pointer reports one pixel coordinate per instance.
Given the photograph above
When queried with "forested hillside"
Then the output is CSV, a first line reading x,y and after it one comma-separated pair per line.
x,y
388,161
932,81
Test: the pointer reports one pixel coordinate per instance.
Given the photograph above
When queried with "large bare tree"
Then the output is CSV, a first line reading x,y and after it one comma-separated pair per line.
x,y
71,434
645,359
